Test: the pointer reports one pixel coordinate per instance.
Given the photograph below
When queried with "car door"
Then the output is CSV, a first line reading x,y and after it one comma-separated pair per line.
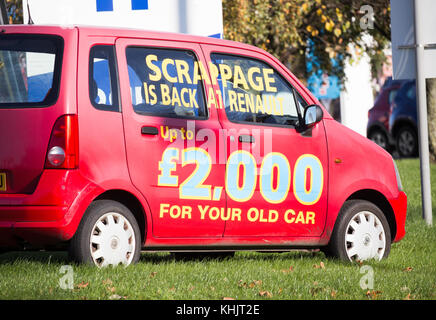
x,y
276,175
170,136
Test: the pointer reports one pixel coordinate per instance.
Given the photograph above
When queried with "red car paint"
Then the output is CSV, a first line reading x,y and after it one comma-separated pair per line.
x,y
117,159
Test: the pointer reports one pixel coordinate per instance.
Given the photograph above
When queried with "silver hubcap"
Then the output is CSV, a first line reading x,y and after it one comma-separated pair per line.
x,y
380,139
112,240
406,143
365,237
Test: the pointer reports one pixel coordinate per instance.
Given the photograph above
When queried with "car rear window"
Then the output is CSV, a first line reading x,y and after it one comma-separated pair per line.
x,y
30,67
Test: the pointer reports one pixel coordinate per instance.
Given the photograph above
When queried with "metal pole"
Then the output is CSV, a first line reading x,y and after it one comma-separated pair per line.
x,y
421,95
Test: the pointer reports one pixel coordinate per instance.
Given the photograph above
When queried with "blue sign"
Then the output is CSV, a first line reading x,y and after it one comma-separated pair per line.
x,y
322,85
108,5
216,36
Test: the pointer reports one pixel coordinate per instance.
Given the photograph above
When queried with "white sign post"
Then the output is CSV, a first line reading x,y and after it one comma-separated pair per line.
x,y
413,57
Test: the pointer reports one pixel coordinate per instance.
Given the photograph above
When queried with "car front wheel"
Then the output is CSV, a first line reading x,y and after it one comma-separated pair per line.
x,y
361,233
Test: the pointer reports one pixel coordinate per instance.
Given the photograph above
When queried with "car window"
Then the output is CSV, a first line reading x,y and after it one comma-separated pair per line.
x,y
411,92
163,82
103,88
30,67
301,103
392,95
252,91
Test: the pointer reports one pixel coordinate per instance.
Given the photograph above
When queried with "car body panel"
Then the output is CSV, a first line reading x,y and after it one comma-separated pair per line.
x,y
26,131
116,157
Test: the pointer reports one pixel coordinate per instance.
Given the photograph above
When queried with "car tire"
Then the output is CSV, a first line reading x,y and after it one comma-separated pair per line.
x,y
380,138
107,235
361,233
407,142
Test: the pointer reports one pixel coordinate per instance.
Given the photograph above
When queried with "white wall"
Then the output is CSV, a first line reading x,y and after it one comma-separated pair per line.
x,y
198,17
357,97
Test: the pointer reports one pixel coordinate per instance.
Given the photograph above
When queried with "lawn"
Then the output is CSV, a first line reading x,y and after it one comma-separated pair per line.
x,y
408,273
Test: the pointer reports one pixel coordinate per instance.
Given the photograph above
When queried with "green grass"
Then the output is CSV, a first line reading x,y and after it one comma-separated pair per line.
x,y
408,273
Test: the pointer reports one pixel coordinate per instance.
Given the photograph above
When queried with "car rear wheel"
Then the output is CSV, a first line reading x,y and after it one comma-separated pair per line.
x,y
407,142
107,235
361,233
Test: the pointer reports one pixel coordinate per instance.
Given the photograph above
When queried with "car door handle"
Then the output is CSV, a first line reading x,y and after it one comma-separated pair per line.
x,y
149,130
246,138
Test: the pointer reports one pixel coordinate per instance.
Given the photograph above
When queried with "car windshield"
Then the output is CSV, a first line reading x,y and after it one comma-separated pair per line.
x,y
29,70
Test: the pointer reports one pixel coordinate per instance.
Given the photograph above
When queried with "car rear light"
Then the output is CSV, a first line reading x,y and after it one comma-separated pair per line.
x,y
63,148
56,156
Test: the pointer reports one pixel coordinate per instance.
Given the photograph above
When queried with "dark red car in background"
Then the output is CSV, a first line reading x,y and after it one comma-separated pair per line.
x,y
378,116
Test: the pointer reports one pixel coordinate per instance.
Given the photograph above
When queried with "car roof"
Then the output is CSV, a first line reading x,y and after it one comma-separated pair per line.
x,y
129,33
389,82
407,84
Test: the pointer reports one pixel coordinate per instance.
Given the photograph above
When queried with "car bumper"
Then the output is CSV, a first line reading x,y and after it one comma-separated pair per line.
x,y
399,205
49,215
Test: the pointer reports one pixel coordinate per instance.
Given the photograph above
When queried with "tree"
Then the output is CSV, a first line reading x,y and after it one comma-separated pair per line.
x,y
289,28
15,11
431,116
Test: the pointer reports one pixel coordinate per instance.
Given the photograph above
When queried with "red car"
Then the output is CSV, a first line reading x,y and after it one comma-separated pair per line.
x,y
116,140
378,116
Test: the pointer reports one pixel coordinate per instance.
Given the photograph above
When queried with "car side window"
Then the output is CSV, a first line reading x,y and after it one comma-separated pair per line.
x,y
163,83
392,95
103,87
411,92
301,103
252,91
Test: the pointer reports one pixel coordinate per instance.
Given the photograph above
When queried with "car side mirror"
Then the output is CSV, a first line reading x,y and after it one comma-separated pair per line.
x,y
312,115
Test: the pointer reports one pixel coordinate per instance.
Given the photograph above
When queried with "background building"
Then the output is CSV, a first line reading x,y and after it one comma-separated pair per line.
x,y
198,17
